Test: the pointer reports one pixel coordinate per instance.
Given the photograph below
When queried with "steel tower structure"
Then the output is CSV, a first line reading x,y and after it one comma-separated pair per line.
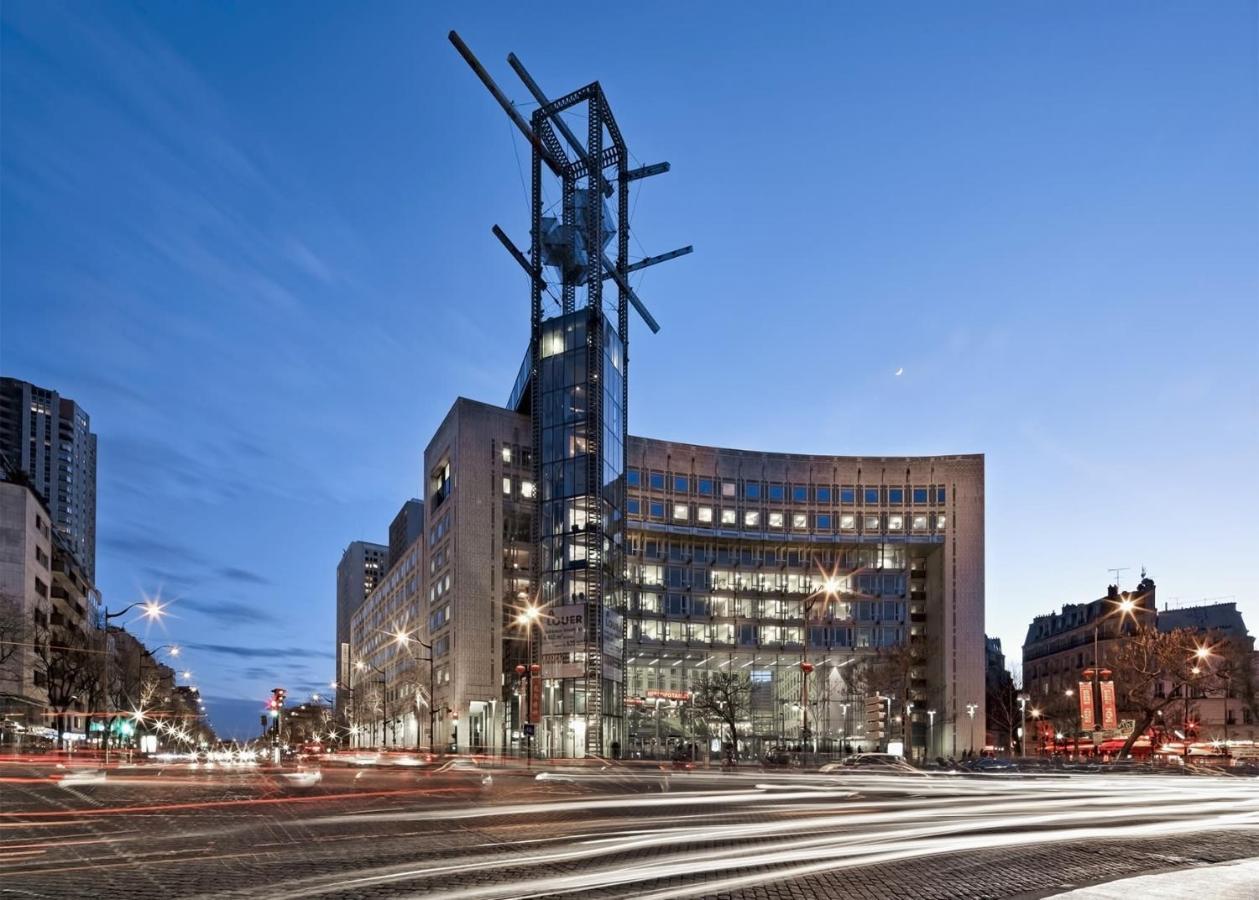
x,y
577,396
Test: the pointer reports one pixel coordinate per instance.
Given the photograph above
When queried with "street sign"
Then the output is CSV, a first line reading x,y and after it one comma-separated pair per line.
x,y
530,729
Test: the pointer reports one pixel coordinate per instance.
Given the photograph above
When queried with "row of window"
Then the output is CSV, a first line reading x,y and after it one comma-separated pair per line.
x,y
716,634
721,607
759,519
776,492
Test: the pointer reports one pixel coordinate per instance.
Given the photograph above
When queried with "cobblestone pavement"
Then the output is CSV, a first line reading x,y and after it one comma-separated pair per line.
x,y
359,834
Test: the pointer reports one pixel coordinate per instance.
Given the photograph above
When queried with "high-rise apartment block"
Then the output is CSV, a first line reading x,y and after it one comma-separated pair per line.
x,y
362,566
49,437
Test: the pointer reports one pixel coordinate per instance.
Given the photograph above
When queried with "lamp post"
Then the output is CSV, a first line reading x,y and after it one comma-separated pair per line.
x,y
1069,693
1127,606
384,703
404,638
527,618
970,711
830,588
152,611
931,730
1036,721
1023,725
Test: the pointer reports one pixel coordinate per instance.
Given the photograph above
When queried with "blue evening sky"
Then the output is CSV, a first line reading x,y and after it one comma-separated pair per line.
x,y
252,240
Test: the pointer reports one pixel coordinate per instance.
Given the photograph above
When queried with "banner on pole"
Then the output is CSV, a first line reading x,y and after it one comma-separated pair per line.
x,y
1110,719
535,698
1086,706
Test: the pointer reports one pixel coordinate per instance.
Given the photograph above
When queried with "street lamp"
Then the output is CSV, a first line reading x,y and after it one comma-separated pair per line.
x,y
1127,606
1036,719
1023,725
931,729
1070,694
526,619
831,585
153,611
970,711
384,705
404,638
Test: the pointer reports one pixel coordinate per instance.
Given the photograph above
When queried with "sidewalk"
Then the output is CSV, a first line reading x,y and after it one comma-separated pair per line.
x,y
1237,880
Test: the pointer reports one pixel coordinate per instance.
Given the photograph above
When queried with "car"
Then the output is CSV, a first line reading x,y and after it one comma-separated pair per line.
x,y
869,762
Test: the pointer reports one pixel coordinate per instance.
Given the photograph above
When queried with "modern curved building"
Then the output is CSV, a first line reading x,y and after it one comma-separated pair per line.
x,y
579,581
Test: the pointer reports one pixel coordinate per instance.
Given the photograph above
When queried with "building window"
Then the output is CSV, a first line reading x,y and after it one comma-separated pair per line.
x,y
871,495
799,521
800,494
752,490
942,522
657,481
506,486
775,520
728,489
526,489
920,523
940,494
872,523
847,523
920,495
633,507
823,495
633,478
896,495
895,523
656,509
751,519
506,454
681,484
706,487
776,492
824,523
705,514
847,495
681,512
728,517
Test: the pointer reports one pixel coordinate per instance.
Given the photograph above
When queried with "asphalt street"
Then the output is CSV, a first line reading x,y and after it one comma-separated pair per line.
x,y
184,830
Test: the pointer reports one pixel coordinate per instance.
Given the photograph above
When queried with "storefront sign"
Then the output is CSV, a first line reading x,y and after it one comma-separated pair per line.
x,y
564,642
1110,719
669,695
1086,706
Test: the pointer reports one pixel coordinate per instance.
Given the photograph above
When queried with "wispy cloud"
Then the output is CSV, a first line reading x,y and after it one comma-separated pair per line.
x,y
260,652
230,612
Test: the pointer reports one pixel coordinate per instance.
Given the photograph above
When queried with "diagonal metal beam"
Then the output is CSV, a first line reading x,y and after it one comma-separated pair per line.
x,y
555,117
653,260
623,284
557,166
519,257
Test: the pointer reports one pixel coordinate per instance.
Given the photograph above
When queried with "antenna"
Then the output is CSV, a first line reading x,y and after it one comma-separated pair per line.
x,y
1116,572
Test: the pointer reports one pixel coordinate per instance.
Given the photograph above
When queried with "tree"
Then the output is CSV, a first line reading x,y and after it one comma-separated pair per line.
x,y
63,663
726,697
889,672
1154,669
14,628
1005,717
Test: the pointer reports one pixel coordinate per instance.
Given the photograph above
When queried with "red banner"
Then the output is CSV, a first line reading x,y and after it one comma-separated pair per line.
x,y
1086,706
1110,720
535,699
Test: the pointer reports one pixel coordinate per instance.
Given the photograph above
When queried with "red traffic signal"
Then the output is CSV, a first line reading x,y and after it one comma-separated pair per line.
x,y
520,670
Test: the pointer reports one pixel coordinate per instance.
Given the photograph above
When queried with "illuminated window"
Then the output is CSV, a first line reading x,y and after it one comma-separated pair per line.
x,y
799,521
704,514
775,520
728,489
506,454
507,487
847,523
942,522
728,517
681,512
920,523
751,519
872,523
895,523
526,489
